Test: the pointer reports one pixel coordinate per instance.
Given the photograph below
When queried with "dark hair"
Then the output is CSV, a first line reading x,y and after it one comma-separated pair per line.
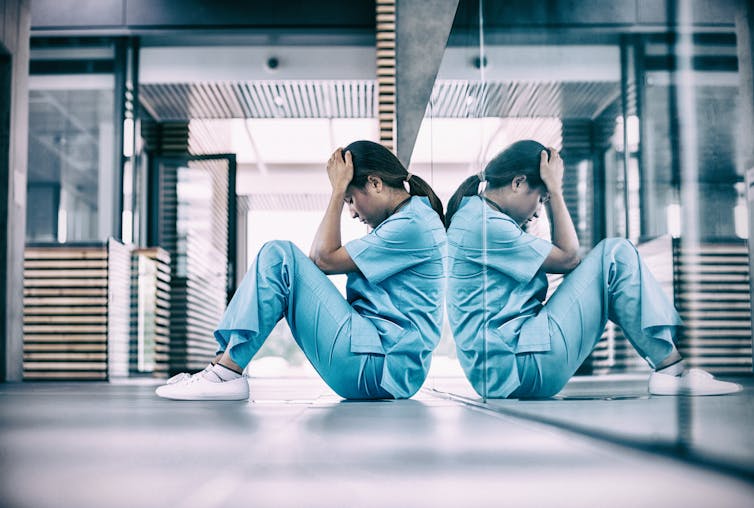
x,y
520,158
371,158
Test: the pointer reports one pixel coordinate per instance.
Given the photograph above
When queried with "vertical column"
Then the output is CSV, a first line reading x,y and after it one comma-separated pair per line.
x,y
15,25
745,47
386,71
421,34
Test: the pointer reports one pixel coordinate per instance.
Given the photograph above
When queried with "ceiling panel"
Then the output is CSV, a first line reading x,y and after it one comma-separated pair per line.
x,y
356,99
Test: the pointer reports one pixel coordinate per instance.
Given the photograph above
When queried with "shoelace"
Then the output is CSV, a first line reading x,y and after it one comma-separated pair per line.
x,y
183,376
178,378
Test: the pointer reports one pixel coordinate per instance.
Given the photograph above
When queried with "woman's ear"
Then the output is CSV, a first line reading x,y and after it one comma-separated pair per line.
x,y
375,182
518,181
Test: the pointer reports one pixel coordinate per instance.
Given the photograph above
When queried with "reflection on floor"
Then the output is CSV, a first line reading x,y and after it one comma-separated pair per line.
x,y
297,444
618,406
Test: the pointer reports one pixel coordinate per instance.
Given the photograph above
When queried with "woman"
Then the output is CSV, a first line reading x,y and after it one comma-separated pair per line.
x,y
512,344
377,343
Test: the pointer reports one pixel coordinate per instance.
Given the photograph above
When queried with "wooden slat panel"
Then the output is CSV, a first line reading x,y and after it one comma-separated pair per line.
x,y
60,356
713,297
65,346
64,291
65,274
66,253
65,283
60,263
84,375
66,319
66,309
69,302
64,328
42,310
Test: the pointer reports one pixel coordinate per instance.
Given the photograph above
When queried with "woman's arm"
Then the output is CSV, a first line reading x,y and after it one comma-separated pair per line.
x,y
564,256
327,251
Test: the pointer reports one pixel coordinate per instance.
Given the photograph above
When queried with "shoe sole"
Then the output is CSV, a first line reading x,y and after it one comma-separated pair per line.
x,y
219,396
693,393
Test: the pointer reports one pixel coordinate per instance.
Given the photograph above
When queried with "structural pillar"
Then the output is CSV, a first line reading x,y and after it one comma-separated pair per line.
x,y
745,45
411,40
15,25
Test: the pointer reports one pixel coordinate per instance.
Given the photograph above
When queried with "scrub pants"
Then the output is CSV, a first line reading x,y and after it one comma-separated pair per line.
x,y
611,282
284,282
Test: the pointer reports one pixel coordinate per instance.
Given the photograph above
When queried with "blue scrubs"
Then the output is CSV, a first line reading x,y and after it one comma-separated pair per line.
x,y
375,344
509,342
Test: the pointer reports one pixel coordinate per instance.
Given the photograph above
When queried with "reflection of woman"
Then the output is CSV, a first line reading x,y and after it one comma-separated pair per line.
x,y
377,344
509,342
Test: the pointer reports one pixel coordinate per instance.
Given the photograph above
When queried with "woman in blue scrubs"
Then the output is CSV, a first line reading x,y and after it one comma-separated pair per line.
x,y
377,342
509,341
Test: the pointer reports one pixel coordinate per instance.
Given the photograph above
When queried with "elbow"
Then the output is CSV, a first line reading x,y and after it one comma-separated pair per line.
x,y
320,261
572,261
317,259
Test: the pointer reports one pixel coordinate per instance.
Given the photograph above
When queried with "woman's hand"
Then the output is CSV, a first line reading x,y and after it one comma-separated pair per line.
x,y
340,171
551,171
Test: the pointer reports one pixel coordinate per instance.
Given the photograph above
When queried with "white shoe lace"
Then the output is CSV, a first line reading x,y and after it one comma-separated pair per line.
x,y
184,376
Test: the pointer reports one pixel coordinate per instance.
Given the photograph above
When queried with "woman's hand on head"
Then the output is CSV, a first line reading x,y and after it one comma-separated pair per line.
x,y
340,170
551,171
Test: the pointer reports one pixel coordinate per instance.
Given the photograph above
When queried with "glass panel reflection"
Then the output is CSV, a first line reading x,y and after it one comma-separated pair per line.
x,y
647,127
70,162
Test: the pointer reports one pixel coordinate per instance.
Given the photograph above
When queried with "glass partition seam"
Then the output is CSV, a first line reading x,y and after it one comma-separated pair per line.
x,y
121,86
480,110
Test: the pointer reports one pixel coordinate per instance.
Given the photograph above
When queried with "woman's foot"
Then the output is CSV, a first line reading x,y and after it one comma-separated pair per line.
x,y
690,382
215,382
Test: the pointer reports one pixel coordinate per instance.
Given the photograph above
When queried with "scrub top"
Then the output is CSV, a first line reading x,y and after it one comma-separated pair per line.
x,y
496,289
399,291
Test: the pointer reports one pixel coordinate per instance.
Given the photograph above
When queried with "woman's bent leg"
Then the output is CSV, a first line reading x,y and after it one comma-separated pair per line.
x,y
610,283
284,282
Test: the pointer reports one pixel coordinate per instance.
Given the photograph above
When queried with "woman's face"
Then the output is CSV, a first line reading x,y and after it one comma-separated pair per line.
x,y
525,205
367,204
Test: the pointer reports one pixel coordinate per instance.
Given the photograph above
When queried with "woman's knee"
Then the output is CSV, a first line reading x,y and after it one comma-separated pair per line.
x,y
274,250
619,249
616,244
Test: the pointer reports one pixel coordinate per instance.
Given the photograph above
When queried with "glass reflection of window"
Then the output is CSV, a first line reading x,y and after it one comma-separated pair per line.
x,y
691,170
71,145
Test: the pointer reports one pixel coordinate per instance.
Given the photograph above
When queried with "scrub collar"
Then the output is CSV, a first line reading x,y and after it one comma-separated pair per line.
x,y
401,204
493,204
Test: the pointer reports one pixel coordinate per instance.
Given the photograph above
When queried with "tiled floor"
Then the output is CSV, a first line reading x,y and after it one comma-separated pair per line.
x,y
296,444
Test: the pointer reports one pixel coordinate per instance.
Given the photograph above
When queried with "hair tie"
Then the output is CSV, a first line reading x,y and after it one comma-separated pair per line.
x,y
482,186
408,177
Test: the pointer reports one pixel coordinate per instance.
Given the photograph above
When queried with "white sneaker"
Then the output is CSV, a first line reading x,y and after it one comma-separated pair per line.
x,y
182,376
691,382
197,387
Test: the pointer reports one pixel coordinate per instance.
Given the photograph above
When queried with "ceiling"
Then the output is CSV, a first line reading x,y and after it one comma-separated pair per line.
x,y
357,98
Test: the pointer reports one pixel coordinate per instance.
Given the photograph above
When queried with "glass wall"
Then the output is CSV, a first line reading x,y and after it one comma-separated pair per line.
x,y
646,119
72,143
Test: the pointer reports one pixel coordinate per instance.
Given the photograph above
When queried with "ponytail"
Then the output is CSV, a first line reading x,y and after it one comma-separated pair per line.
x,y
418,187
520,158
468,187
370,158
